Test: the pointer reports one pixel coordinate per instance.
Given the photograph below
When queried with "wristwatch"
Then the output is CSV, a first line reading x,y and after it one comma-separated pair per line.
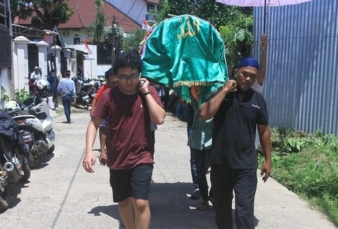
x,y
146,93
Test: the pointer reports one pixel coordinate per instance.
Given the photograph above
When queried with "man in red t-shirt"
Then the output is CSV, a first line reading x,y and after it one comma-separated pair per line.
x,y
130,108
111,79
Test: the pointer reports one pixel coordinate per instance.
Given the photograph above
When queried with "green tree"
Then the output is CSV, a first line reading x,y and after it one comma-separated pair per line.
x,y
102,35
233,23
98,28
238,38
46,12
218,14
133,40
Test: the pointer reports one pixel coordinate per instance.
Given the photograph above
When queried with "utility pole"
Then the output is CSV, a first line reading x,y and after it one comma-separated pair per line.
x,y
113,43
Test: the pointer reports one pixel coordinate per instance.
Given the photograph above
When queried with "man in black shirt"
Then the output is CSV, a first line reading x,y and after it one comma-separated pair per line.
x,y
237,109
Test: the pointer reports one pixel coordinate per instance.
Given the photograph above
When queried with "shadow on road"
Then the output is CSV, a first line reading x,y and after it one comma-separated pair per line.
x,y
43,162
170,208
14,191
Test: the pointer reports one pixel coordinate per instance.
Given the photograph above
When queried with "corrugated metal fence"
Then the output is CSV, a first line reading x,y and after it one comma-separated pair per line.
x,y
301,86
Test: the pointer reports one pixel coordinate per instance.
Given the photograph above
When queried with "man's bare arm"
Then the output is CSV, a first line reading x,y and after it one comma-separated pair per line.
x,y
209,109
265,139
89,158
262,63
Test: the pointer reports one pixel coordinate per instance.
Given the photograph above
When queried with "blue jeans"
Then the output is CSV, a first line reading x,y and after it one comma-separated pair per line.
x,y
67,100
201,158
192,165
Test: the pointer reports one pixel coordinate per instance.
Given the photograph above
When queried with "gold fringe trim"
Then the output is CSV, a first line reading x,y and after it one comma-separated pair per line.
x,y
192,83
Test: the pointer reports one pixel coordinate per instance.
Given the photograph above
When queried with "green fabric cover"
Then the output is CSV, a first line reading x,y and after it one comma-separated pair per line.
x,y
183,51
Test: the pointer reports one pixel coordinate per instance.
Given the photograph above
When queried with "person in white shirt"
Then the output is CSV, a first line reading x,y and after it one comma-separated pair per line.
x,y
33,78
36,74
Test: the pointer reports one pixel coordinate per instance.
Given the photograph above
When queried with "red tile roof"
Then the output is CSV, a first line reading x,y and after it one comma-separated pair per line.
x,y
85,13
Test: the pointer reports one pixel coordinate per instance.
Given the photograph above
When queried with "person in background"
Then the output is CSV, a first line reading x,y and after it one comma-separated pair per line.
x,y
111,81
33,78
237,110
130,108
258,85
36,74
66,88
259,82
53,81
195,195
200,143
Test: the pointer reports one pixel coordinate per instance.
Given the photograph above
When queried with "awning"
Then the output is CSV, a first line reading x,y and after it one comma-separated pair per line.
x,y
79,48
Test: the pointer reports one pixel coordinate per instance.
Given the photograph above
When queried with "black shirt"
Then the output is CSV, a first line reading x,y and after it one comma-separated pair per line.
x,y
235,129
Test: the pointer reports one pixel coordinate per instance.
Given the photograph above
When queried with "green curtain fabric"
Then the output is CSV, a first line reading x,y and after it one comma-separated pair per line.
x,y
183,51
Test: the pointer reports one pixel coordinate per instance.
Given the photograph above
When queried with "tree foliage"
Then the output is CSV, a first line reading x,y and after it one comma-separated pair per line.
x,y
102,35
133,40
216,13
43,12
97,29
233,23
238,38
104,48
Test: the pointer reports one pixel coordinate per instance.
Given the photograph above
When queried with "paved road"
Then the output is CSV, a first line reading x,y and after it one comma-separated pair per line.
x,y
61,194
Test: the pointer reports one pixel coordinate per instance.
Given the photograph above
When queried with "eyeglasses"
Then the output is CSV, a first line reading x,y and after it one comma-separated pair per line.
x,y
131,78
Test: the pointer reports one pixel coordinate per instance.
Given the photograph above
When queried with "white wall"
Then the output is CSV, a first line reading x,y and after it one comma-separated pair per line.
x,y
69,35
5,82
101,69
90,63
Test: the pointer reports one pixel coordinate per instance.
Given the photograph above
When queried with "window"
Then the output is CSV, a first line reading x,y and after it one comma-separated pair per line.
x,y
150,7
3,13
76,40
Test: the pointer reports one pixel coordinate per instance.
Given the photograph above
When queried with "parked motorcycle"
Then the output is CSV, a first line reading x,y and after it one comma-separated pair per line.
x,y
13,162
84,96
35,125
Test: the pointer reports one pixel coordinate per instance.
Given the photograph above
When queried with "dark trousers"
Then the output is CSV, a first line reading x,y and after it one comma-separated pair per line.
x,y
67,100
192,165
244,183
201,158
193,171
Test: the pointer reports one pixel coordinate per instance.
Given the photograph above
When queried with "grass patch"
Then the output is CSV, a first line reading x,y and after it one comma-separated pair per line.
x,y
307,164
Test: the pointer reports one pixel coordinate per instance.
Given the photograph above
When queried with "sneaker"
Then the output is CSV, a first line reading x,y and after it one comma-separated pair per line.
x,y
195,195
212,200
203,206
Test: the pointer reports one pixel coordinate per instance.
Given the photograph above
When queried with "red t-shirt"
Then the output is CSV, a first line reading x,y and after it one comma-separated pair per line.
x,y
129,139
99,92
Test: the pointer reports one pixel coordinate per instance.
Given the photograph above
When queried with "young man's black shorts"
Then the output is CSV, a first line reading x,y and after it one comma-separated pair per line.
x,y
131,183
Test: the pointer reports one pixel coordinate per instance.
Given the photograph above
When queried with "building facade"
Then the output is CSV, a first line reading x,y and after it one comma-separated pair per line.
x,y
138,10
6,49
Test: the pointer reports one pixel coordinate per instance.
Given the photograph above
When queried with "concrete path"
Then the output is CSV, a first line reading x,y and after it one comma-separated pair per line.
x,y
61,194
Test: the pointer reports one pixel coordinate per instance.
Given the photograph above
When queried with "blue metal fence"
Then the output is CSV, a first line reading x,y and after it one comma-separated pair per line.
x,y
301,86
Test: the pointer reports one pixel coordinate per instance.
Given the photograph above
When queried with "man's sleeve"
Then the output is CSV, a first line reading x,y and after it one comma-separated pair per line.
x,y
101,108
263,116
